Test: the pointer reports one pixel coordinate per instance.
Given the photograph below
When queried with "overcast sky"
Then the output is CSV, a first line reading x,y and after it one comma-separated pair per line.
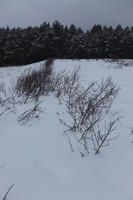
x,y
84,13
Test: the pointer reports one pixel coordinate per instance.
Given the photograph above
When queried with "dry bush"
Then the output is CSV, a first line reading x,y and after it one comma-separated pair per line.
x,y
120,63
30,114
66,84
7,100
29,86
88,110
36,83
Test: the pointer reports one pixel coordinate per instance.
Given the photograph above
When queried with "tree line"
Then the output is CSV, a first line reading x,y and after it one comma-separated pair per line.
x,y
19,46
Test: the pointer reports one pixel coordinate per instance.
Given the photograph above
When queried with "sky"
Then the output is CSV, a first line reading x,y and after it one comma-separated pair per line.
x,y
83,13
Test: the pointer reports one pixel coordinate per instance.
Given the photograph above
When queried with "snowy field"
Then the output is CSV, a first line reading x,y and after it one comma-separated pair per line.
x,y
37,159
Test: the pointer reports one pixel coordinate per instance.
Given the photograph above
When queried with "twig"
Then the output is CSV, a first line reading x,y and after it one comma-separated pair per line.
x,y
5,196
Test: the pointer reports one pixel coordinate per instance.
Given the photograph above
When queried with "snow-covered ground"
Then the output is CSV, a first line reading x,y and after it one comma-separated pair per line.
x,y
36,158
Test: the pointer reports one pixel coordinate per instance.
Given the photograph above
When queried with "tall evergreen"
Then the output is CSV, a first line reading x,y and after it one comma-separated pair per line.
x,y
20,46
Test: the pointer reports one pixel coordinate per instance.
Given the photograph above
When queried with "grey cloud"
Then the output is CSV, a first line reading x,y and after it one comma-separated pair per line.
x,y
83,13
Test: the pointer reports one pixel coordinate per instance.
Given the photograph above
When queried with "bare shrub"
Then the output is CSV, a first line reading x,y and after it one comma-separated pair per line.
x,y
120,63
57,83
102,136
66,84
29,86
49,63
7,100
36,83
88,110
30,114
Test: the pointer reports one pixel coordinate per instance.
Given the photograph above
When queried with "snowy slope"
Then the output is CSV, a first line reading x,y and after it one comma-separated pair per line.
x,y
36,158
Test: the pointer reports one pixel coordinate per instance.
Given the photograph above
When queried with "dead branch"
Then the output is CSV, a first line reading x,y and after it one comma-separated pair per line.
x,y
5,196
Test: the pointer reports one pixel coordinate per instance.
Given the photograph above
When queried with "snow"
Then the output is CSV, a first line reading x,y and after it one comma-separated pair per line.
x,y
37,159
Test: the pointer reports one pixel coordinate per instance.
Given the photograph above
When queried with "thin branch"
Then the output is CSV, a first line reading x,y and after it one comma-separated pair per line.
x,y
5,196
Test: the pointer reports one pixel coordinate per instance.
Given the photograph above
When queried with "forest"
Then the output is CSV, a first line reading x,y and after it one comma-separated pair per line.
x,y
20,46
